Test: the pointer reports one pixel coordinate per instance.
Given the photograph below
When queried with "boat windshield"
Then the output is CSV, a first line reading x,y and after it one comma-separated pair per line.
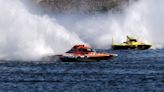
x,y
129,39
133,40
81,50
91,50
86,50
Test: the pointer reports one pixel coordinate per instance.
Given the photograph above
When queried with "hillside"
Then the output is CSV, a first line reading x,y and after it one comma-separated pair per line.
x,y
83,5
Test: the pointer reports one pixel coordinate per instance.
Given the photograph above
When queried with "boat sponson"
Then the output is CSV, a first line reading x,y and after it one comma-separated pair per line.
x,y
67,59
141,47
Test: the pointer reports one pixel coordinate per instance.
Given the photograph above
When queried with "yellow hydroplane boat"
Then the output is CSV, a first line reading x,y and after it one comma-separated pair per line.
x,y
131,43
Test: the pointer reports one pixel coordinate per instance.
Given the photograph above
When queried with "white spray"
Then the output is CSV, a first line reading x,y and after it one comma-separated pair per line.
x,y
142,20
28,36
27,33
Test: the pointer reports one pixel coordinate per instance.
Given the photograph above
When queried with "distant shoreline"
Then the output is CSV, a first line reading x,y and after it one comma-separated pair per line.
x,y
83,6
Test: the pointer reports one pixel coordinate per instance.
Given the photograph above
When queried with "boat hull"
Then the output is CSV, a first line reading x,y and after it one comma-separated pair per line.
x,y
87,59
125,47
81,53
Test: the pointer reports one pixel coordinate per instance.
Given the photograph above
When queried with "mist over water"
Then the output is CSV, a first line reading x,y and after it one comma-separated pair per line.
x,y
27,33
28,36
142,20
145,19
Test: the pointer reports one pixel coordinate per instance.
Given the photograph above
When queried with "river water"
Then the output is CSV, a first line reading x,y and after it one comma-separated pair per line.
x,y
131,71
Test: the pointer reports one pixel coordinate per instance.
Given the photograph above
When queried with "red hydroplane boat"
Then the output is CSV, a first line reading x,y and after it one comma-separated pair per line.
x,y
82,53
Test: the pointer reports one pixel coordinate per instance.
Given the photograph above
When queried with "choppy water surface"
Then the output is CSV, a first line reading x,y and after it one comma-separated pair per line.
x,y
138,71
